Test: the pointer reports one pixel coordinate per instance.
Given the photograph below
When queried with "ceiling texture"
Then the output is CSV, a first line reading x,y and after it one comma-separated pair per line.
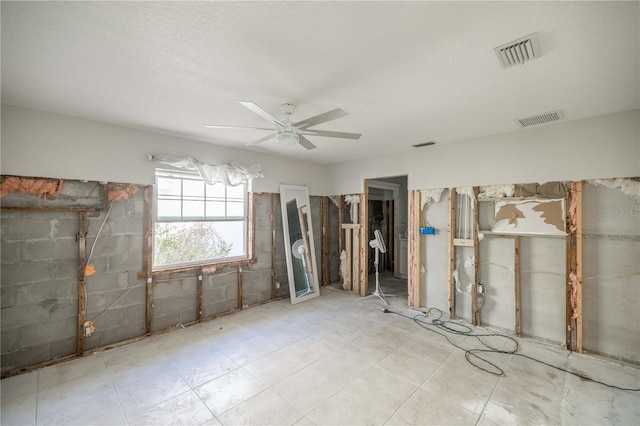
x,y
406,72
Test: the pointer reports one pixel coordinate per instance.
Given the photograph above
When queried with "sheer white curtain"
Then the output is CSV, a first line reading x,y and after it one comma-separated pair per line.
x,y
230,174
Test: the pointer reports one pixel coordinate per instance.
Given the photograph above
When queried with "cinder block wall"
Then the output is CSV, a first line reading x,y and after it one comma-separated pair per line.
x,y
39,278
39,286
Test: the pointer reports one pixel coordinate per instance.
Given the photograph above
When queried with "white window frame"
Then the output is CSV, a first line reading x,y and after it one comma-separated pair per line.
x,y
180,175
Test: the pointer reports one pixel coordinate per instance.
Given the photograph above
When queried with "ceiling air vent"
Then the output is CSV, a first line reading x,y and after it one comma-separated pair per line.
x,y
519,51
535,120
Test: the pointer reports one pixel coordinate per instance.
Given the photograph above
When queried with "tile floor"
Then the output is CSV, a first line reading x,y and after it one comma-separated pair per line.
x,y
333,360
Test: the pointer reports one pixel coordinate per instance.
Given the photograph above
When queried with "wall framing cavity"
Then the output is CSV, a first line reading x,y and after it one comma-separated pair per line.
x,y
579,289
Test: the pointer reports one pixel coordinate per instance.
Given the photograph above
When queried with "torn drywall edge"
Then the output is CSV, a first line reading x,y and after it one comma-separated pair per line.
x,y
627,186
497,191
335,199
549,217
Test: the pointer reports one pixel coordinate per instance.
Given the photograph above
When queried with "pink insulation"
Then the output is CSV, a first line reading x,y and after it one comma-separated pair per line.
x,y
40,187
121,191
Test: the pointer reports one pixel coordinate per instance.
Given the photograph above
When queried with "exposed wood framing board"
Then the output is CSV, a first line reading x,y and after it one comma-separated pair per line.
x,y
340,231
414,248
82,284
239,288
475,306
251,226
460,242
396,232
199,297
516,267
347,266
451,253
578,265
324,209
570,266
147,258
363,279
272,220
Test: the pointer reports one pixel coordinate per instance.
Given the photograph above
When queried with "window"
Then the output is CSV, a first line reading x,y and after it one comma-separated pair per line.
x,y
197,222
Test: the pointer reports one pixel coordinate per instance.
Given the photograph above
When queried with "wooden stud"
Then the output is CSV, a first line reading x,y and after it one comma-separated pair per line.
x,y
324,208
363,240
578,265
199,296
570,266
82,285
147,252
516,267
347,267
414,249
476,255
239,288
341,245
451,253
355,261
272,219
392,236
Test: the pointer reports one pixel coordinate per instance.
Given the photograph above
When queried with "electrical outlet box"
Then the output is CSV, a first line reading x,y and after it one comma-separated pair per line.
x,y
427,230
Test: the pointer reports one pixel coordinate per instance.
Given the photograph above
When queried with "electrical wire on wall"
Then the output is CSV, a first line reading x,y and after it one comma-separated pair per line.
x,y
437,325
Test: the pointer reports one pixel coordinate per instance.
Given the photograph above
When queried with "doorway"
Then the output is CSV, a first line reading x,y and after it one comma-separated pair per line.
x,y
387,212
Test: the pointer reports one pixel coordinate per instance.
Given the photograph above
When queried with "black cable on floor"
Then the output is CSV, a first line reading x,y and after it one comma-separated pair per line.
x,y
473,356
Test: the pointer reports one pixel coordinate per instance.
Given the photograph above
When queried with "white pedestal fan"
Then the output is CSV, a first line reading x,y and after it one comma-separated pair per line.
x,y
379,246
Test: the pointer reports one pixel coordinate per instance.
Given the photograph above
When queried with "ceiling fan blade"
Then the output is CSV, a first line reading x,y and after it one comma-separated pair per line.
x,y
321,118
306,143
262,113
266,138
216,126
331,134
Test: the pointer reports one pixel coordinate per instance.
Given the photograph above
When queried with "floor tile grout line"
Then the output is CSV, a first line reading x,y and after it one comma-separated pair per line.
x,y
493,391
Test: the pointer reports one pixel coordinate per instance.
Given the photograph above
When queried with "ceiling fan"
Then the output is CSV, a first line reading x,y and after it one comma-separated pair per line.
x,y
289,133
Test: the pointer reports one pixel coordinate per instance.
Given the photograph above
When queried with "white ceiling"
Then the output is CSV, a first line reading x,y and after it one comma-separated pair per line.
x,y
406,72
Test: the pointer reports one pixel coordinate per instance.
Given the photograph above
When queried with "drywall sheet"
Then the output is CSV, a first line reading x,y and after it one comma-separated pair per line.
x,y
498,278
531,216
543,287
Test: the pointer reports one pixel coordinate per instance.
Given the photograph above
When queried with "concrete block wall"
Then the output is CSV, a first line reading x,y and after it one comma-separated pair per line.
x,y
39,265
38,286
115,296
219,292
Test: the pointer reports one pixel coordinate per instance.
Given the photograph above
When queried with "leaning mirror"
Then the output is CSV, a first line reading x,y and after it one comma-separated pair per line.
x,y
298,243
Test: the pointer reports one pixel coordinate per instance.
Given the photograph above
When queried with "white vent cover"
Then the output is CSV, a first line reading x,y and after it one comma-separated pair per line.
x,y
535,120
519,51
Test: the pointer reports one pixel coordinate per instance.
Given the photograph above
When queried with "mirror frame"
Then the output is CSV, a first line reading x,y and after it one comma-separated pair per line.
x,y
300,194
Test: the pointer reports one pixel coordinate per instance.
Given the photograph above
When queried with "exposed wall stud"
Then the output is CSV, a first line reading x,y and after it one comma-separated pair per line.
x,y
363,243
451,253
516,267
82,285
475,305
272,220
324,213
414,249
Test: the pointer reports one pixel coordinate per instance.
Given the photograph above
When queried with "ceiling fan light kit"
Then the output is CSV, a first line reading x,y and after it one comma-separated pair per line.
x,y
287,138
289,133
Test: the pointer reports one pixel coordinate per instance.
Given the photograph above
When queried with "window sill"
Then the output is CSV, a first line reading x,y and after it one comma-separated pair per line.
x,y
197,267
